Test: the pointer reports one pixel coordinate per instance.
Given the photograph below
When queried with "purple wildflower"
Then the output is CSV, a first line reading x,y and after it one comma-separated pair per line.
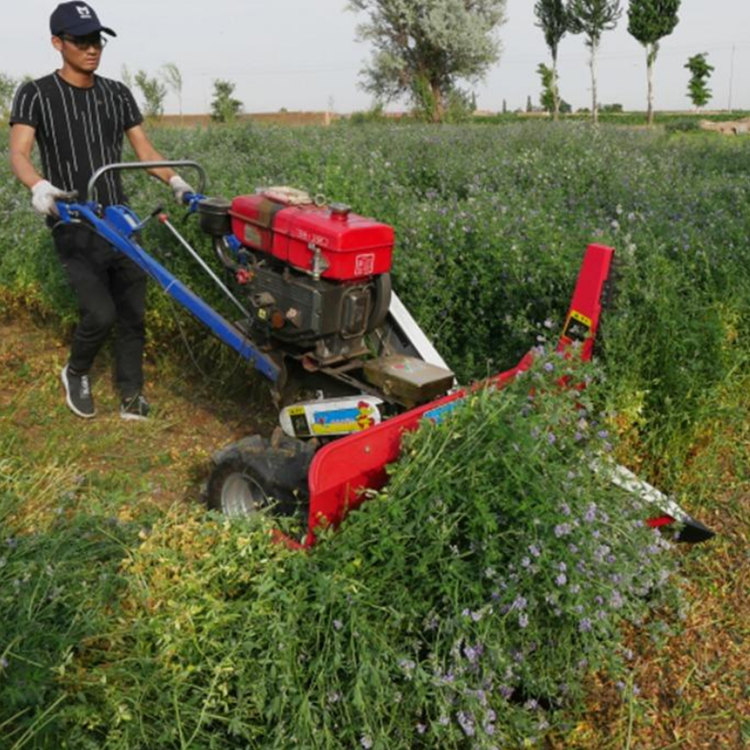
x,y
421,728
4,662
549,367
551,439
523,620
535,550
562,529
561,579
337,624
525,562
505,691
519,602
590,513
585,625
366,742
565,509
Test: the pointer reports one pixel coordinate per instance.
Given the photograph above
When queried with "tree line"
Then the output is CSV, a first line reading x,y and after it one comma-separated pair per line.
x,y
423,50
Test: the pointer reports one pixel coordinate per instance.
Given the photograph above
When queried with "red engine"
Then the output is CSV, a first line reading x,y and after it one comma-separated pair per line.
x,y
316,277
330,242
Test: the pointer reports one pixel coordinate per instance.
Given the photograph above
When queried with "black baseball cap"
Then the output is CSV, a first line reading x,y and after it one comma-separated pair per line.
x,y
76,19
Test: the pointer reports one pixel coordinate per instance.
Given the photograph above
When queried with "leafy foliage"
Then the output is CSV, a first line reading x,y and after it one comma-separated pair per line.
x,y
7,89
548,99
423,49
700,72
154,93
224,107
592,18
173,79
552,18
649,21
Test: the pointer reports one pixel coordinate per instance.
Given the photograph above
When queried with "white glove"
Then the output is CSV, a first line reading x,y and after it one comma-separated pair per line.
x,y
179,188
43,197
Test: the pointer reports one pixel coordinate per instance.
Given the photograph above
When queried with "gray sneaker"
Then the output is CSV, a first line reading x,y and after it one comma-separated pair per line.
x,y
135,408
78,393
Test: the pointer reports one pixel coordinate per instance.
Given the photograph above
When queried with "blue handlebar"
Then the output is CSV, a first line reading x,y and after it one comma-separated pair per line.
x,y
117,228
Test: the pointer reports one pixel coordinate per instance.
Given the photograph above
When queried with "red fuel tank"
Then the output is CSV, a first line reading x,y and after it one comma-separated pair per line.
x,y
331,240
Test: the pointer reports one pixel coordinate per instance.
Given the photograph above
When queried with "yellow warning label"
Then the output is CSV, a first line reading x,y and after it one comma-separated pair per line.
x,y
296,411
581,318
336,428
263,313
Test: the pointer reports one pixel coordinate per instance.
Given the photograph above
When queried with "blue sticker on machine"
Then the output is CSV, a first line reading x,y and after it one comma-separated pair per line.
x,y
341,421
439,413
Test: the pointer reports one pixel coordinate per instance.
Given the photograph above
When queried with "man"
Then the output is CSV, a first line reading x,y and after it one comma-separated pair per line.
x,y
78,120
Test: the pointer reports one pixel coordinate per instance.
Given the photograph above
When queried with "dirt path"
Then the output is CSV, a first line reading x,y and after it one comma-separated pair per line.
x,y
168,456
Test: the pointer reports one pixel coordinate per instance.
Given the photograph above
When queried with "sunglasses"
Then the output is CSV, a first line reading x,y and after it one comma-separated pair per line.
x,y
84,42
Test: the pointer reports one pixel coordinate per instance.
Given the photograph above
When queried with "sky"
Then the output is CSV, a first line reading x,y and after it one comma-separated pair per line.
x,y
303,55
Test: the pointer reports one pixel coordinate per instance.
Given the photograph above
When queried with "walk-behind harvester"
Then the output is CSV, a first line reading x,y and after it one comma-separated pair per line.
x,y
311,283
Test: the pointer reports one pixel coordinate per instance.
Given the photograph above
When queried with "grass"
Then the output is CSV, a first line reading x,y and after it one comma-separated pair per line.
x,y
519,202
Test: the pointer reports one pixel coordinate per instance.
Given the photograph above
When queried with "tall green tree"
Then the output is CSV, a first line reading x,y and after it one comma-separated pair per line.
x,y
592,18
224,107
700,71
7,90
423,48
154,93
552,19
173,79
649,21
547,99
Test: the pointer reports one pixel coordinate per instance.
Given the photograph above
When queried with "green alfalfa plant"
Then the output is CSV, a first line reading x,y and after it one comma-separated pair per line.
x,y
465,603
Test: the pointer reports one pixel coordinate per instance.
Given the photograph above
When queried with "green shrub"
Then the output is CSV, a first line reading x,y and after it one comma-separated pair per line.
x,y
686,125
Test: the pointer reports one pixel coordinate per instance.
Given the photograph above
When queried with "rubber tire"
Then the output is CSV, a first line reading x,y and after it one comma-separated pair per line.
x,y
256,475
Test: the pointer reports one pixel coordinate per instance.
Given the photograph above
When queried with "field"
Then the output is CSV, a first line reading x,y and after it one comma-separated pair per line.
x,y
129,619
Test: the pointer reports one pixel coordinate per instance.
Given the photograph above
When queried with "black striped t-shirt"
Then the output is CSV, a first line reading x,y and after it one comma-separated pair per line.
x,y
78,130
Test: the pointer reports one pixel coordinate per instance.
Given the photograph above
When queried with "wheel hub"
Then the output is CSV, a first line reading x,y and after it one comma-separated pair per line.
x,y
241,495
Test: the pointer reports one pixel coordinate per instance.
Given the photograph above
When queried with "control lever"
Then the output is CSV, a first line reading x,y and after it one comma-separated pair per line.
x,y
158,210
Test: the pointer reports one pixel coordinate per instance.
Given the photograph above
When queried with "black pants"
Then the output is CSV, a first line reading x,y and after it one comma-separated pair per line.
x,y
111,292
